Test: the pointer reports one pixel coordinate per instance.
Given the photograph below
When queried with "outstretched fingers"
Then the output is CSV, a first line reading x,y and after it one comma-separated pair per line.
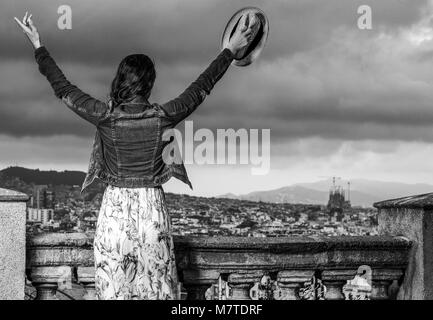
x,y
32,26
23,26
25,18
242,22
26,23
29,29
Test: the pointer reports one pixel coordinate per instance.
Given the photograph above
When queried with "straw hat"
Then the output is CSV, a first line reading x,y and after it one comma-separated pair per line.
x,y
259,23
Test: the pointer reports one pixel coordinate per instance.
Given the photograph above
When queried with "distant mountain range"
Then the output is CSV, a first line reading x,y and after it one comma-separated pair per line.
x,y
363,192
300,194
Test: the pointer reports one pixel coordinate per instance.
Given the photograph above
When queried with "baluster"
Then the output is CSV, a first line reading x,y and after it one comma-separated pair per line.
x,y
196,282
382,280
241,282
86,276
393,290
46,291
334,280
46,280
218,291
240,291
181,292
380,290
196,291
289,283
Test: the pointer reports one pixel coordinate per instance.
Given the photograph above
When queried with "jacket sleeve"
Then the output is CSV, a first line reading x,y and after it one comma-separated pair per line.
x,y
81,103
182,106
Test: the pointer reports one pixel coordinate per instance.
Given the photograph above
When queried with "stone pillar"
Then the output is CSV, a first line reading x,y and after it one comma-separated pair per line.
x,y
12,244
290,282
412,217
383,280
241,282
334,280
197,282
86,276
46,280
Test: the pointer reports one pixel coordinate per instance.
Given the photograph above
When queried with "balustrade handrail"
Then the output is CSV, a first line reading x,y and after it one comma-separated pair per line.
x,y
295,243
292,244
399,246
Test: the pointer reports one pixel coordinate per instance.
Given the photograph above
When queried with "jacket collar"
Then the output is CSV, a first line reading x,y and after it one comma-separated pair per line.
x,y
139,100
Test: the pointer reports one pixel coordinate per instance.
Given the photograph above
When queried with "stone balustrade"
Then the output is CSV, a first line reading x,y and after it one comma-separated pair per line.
x,y
60,259
287,268
240,268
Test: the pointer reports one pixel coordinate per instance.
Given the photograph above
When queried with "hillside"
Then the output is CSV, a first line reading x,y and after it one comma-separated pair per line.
x,y
36,176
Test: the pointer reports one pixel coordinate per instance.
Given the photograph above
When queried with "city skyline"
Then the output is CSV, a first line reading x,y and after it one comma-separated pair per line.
x,y
338,100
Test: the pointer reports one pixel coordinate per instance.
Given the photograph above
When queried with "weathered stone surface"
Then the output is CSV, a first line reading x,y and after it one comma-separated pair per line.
x,y
200,276
12,244
245,276
397,217
423,201
61,239
86,274
229,254
12,196
292,244
50,274
295,276
338,275
57,249
241,261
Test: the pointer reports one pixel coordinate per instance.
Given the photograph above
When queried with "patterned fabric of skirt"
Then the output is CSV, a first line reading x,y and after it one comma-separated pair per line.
x,y
134,253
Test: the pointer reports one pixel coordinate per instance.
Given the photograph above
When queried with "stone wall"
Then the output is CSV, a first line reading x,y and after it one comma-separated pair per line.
x,y
12,244
412,217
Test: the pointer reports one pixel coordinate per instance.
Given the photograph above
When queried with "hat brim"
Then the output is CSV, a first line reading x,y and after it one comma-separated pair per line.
x,y
257,42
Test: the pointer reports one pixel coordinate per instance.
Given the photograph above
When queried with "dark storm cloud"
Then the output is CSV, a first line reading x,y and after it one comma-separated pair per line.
x,y
104,31
318,76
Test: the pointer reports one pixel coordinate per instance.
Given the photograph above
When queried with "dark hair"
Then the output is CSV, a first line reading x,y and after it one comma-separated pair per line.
x,y
135,77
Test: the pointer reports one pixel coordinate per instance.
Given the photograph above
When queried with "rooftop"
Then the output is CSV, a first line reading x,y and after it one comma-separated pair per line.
x,y
423,201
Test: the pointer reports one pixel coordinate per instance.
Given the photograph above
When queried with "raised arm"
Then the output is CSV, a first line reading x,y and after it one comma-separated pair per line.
x,y
182,106
81,103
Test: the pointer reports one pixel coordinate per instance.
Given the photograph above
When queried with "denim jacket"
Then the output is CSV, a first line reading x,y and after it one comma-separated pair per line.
x,y
128,145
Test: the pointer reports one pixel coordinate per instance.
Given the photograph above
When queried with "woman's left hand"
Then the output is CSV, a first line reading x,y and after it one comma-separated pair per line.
x,y
29,29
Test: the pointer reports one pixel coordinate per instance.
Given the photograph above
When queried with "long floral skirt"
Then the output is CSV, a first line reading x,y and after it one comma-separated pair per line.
x,y
134,253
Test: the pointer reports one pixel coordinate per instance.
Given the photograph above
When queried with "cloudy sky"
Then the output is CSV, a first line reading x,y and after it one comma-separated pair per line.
x,y
338,100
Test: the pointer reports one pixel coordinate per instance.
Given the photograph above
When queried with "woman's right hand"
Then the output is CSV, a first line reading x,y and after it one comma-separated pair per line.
x,y
29,30
241,36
